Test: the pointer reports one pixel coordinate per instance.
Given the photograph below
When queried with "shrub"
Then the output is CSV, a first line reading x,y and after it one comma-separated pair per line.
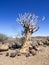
x,y
3,37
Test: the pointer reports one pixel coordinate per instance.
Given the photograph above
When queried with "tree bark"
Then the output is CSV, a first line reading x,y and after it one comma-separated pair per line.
x,y
25,48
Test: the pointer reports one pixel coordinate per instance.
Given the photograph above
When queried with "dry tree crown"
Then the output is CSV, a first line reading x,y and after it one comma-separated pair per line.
x,y
29,22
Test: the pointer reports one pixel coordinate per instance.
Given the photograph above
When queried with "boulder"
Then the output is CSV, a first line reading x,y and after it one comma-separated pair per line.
x,y
30,48
47,42
34,43
4,47
13,54
18,45
40,42
48,39
44,41
35,48
14,45
33,52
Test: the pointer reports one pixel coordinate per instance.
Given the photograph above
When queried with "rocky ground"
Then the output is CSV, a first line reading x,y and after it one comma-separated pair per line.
x,y
38,53
41,58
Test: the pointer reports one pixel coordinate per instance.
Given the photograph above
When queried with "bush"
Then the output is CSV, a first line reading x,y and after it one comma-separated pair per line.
x,y
3,37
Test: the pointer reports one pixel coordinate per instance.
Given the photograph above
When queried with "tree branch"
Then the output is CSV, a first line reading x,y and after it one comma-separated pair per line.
x,y
35,30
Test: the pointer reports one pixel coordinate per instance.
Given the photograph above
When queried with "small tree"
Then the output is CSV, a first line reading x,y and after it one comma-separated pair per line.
x,y
29,23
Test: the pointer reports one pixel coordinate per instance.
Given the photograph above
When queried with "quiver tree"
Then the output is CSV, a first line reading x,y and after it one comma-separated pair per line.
x,y
29,23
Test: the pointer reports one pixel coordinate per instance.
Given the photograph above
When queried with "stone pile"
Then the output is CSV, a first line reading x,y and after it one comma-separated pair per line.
x,y
34,47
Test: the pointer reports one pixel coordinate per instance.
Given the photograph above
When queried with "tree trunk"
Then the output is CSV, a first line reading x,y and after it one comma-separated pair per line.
x,y
25,48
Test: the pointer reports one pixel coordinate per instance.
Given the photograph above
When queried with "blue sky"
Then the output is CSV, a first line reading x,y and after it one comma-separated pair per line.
x,y
9,10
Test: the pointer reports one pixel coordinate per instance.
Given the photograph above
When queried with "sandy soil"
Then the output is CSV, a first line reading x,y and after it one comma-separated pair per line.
x,y
41,58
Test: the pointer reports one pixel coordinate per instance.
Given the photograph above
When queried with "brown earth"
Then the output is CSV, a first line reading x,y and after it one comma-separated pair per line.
x,y
41,58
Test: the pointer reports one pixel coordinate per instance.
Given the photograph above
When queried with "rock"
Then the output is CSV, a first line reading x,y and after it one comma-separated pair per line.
x,y
44,41
27,54
48,39
35,48
33,52
7,54
30,48
18,45
34,43
39,49
14,45
13,54
47,42
40,42
4,47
